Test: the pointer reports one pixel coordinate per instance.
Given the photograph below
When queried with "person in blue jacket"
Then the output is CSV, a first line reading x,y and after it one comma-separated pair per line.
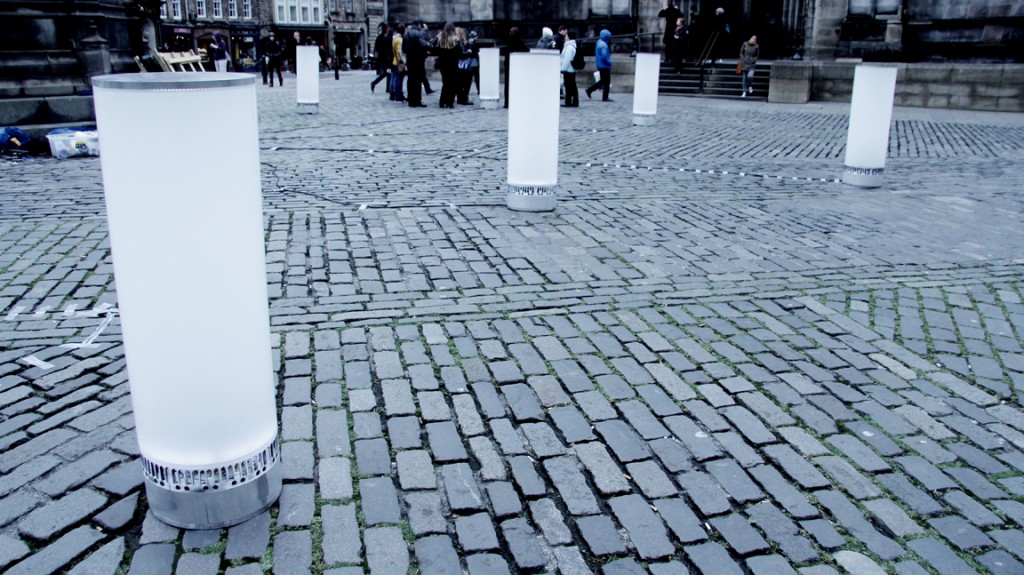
x,y
603,57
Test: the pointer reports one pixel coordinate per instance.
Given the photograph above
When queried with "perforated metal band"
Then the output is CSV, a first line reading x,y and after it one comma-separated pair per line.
x,y
531,198
210,477
645,119
864,177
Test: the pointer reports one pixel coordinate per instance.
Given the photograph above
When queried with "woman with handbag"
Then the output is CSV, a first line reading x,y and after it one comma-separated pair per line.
x,y
748,61
465,72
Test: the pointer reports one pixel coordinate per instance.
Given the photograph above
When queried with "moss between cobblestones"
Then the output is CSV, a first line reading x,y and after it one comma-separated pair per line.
x,y
217,549
316,532
267,561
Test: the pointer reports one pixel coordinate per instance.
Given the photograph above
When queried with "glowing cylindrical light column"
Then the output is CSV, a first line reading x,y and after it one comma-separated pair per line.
x,y
307,79
532,160
867,141
490,78
190,268
645,89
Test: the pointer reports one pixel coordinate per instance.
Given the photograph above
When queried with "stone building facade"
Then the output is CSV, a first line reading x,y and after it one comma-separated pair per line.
x,y
916,30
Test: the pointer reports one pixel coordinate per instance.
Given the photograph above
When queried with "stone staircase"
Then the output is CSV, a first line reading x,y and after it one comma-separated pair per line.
x,y
716,80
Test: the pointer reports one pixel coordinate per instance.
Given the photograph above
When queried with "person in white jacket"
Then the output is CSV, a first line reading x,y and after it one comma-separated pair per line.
x,y
572,93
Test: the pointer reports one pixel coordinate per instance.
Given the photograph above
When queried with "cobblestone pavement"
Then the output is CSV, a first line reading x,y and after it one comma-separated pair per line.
x,y
711,358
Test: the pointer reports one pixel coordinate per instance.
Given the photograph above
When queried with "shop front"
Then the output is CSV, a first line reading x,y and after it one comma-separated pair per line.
x,y
177,38
350,46
243,44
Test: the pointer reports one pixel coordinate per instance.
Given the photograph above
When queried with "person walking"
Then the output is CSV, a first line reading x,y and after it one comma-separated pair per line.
x,y
293,50
547,39
671,14
464,73
383,56
475,63
448,50
264,58
273,59
572,93
414,46
748,61
680,44
603,60
220,52
515,44
397,65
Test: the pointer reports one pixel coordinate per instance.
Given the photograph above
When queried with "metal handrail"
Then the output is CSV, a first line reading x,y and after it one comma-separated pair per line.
x,y
704,55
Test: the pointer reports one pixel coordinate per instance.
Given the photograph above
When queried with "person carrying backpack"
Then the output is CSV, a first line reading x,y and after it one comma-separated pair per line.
x,y
570,58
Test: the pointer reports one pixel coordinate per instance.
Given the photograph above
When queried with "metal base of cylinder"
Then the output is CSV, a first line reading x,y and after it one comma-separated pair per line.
x,y
490,104
864,177
645,119
215,509
308,108
530,198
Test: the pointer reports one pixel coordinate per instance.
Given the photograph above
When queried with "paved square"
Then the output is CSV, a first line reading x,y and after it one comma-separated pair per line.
x,y
711,358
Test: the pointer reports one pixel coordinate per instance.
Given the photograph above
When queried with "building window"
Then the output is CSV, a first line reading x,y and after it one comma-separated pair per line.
x,y
332,5
200,8
176,9
232,8
218,8
163,11
349,7
299,11
247,9
873,7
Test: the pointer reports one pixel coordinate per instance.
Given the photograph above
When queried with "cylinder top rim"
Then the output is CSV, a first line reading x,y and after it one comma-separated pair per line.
x,y
173,81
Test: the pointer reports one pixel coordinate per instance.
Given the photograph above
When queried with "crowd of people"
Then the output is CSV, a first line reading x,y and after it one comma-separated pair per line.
x,y
277,56
401,53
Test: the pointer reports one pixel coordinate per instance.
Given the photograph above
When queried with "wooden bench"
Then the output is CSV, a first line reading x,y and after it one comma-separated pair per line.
x,y
180,61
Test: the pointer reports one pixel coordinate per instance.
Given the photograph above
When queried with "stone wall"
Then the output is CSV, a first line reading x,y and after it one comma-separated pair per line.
x,y
826,21
993,87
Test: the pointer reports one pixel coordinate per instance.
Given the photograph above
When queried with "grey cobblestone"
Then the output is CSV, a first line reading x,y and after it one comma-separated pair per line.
x,y
522,541
871,350
571,485
476,532
386,551
54,517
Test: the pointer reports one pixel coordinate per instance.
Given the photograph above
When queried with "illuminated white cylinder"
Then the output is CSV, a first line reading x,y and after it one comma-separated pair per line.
x,y
645,89
307,79
186,231
533,131
490,78
867,141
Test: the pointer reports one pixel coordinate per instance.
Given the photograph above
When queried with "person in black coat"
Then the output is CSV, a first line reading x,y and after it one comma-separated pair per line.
x,y
448,50
414,45
515,44
382,56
